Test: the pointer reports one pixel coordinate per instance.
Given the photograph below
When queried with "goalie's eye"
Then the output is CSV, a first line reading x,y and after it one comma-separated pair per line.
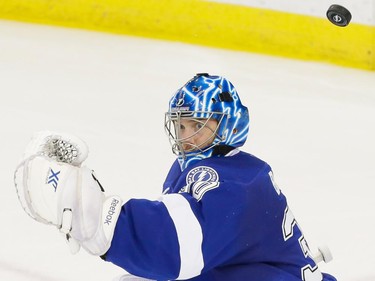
x,y
193,126
199,126
190,126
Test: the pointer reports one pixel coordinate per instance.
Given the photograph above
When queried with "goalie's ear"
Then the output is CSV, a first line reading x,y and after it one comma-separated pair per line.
x,y
60,147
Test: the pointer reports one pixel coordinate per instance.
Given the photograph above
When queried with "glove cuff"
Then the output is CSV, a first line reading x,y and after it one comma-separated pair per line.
x,y
101,241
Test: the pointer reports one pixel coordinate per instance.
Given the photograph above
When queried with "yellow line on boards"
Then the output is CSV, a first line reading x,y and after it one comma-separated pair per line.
x,y
211,24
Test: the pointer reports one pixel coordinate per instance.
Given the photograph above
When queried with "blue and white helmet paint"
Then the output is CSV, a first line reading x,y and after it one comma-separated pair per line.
x,y
202,98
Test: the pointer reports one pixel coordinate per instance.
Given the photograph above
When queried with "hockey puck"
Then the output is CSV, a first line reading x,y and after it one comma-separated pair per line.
x,y
338,15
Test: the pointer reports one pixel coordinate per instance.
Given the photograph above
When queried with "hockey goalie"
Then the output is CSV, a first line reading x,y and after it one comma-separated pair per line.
x,y
220,216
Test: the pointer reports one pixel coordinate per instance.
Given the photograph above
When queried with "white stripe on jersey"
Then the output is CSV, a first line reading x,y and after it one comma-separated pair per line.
x,y
189,235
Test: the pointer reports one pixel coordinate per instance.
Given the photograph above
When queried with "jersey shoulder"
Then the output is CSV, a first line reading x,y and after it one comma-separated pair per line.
x,y
240,166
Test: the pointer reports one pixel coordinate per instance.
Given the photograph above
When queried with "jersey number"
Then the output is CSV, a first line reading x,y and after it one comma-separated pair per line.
x,y
308,273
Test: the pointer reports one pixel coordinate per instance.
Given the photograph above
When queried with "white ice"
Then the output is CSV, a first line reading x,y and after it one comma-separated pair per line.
x,y
314,123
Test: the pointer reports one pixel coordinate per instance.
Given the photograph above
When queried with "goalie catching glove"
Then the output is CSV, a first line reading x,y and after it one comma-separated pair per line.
x,y
55,189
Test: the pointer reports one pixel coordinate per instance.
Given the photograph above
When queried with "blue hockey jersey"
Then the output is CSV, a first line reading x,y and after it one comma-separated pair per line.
x,y
221,219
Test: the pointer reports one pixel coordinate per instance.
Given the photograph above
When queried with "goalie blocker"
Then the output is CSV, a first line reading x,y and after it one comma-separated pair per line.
x,y
54,188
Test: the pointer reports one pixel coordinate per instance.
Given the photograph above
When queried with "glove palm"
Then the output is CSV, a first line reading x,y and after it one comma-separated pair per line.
x,y
54,189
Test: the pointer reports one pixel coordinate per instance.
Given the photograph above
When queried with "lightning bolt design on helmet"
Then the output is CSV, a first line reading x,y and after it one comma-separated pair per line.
x,y
206,97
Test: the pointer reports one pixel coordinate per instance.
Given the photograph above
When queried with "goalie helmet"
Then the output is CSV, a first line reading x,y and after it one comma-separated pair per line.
x,y
206,97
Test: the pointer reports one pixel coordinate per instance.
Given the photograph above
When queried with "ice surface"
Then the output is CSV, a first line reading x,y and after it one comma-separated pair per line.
x,y
314,123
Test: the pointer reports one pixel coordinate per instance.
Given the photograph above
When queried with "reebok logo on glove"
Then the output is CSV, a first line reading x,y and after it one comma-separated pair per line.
x,y
111,211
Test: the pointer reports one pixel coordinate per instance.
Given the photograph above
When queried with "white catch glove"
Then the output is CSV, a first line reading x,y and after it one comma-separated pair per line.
x,y
54,189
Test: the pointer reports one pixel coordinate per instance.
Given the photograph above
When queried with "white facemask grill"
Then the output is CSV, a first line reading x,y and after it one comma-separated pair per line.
x,y
172,124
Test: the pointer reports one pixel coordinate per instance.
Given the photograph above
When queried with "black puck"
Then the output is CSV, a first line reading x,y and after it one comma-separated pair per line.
x,y
339,15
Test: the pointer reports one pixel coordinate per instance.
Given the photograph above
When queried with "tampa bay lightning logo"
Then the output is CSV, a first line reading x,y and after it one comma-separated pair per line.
x,y
200,180
181,99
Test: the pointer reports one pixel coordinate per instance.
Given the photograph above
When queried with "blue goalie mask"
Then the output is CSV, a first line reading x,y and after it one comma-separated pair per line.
x,y
211,107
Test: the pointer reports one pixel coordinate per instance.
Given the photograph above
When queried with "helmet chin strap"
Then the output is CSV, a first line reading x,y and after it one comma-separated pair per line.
x,y
217,150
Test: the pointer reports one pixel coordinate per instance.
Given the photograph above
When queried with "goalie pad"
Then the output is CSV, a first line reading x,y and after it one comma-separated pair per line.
x,y
54,189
